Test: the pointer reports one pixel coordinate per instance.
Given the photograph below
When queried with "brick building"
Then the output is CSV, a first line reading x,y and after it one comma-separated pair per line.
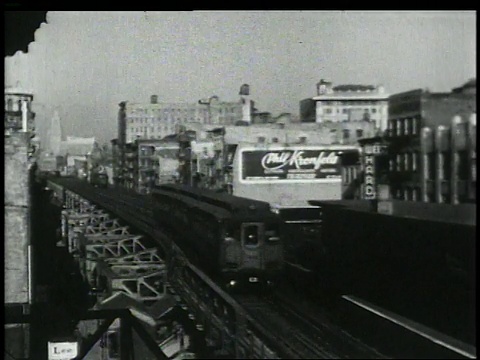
x,y
431,140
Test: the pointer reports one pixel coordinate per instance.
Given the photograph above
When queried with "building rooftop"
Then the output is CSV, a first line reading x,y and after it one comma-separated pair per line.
x,y
354,88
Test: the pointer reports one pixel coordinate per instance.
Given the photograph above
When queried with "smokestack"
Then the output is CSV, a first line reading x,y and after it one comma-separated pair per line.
x,y
24,116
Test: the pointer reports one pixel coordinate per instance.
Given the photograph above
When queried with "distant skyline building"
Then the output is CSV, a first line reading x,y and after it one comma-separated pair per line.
x,y
346,103
54,135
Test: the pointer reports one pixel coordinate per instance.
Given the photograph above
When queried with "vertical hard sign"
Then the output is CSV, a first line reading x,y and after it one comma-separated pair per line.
x,y
369,186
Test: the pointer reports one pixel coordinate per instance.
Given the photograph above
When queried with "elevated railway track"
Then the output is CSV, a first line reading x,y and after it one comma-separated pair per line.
x,y
235,325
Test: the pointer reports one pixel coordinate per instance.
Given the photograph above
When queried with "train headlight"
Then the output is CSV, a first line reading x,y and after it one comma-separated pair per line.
x,y
232,283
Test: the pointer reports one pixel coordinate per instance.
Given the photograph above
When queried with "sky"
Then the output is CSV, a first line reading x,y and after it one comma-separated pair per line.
x,y
84,63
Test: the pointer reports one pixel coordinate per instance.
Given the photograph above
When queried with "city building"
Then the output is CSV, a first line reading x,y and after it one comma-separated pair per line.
x,y
117,163
431,137
156,120
130,167
346,103
293,133
19,116
157,163
212,150
18,244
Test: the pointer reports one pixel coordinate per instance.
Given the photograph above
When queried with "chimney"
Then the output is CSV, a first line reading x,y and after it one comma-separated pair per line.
x,y
324,87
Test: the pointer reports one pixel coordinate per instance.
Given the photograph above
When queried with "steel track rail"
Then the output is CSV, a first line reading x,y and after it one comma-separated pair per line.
x,y
320,329
296,338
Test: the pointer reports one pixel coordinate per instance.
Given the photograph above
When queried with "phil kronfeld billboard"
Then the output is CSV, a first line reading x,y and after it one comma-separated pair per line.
x,y
290,165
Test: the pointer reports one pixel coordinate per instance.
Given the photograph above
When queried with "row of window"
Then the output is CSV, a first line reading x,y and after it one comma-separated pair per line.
x,y
352,102
405,162
172,120
17,105
433,165
408,194
142,129
415,194
202,110
347,132
347,110
349,173
399,127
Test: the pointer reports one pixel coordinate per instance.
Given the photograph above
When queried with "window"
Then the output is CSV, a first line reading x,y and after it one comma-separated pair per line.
x,y
328,111
346,134
359,133
415,193
406,125
250,235
345,111
392,126
374,111
414,161
399,127
275,140
406,161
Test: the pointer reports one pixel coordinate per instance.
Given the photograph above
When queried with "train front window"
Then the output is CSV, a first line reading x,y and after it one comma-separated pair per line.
x,y
250,235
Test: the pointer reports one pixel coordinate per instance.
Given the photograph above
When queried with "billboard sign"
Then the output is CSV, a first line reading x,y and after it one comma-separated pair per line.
x,y
291,165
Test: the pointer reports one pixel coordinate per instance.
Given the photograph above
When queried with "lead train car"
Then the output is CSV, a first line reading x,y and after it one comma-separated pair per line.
x,y
234,239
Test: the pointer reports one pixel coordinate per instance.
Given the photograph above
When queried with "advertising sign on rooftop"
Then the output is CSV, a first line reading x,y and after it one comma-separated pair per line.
x,y
293,164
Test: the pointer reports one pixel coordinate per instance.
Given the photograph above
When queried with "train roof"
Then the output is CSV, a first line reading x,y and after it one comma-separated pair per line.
x,y
223,200
191,203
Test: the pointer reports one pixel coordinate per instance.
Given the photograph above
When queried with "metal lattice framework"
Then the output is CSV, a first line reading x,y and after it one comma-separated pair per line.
x,y
147,256
113,260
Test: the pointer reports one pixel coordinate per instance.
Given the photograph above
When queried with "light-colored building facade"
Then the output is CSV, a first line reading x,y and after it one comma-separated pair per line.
x,y
295,133
156,120
346,103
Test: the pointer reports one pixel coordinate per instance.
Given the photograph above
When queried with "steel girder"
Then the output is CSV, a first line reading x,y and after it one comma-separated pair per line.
x,y
227,327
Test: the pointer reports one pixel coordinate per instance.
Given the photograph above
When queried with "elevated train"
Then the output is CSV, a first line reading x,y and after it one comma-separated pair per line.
x,y
99,177
236,240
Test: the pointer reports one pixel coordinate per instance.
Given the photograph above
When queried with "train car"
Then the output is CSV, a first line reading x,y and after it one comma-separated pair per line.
x,y
99,178
234,239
